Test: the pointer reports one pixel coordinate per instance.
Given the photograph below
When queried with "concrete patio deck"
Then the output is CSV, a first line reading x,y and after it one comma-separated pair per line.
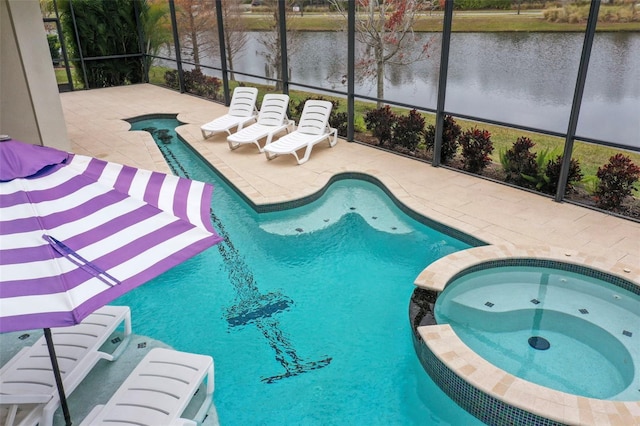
x,y
505,217
489,211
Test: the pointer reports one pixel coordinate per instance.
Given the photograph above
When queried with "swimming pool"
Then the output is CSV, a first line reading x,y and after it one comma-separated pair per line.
x,y
303,310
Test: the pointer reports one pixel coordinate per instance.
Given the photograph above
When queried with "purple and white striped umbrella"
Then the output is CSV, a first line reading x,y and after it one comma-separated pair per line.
x,y
76,232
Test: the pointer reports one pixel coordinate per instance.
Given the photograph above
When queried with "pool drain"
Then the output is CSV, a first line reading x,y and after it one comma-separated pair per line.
x,y
540,343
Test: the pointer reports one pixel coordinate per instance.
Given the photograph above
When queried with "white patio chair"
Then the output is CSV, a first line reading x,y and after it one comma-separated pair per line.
x,y
158,390
312,129
241,111
28,391
272,120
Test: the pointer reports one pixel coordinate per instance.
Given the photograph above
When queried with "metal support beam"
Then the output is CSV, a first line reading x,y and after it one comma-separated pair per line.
x,y
442,81
176,44
351,67
282,15
145,70
63,44
223,54
589,34
75,29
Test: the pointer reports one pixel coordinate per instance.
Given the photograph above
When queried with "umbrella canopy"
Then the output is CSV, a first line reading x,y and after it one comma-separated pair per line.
x,y
77,232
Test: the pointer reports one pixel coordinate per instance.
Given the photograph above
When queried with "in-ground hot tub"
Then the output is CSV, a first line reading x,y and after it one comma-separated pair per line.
x,y
531,335
559,329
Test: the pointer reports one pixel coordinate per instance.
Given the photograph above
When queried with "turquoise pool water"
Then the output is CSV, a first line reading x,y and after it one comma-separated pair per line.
x,y
592,328
305,310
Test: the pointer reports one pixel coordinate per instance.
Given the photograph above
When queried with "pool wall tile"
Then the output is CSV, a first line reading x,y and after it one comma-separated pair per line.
x,y
485,407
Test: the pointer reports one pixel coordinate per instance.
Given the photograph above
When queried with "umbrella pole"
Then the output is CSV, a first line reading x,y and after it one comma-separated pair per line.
x,y
56,373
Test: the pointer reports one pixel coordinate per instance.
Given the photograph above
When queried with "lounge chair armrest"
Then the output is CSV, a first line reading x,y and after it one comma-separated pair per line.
x,y
126,321
333,140
24,399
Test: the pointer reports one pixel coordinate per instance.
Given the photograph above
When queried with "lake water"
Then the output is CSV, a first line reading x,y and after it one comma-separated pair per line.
x,y
522,78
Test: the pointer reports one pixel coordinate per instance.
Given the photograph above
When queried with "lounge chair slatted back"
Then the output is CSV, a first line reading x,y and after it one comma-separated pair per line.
x,y
158,390
241,111
243,102
315,117
273,111
313,129
271,120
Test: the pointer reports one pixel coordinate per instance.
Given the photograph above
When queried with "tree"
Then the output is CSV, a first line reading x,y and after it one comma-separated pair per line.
x,y
107,28
156,24
385,29
46,8
235,34
197,28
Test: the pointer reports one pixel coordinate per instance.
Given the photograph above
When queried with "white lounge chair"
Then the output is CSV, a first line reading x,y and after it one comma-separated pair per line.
x,y
272,120
158,390
241,111
28,392
312,129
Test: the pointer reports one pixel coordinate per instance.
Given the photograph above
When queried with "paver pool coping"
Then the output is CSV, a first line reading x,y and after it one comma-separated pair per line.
x,y
562,407
490,212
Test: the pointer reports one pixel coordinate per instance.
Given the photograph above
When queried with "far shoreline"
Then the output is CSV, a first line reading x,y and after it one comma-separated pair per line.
x,y
529,21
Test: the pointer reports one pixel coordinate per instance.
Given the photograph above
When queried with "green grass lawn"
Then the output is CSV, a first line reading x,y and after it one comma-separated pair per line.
x,y
61,78
492,21
61,75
